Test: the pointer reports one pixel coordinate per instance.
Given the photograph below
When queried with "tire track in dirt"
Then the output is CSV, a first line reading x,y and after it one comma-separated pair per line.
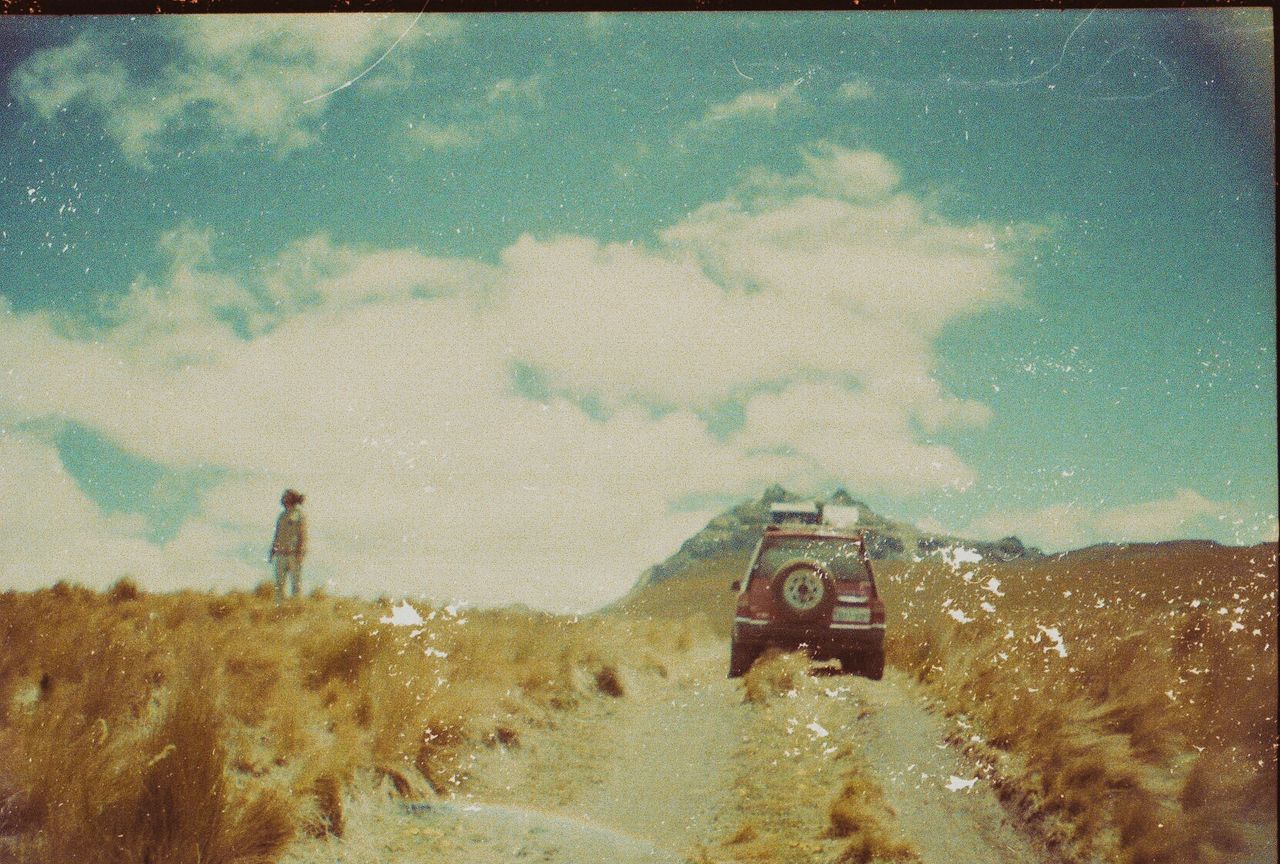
x,y
642,779
905,744
680,765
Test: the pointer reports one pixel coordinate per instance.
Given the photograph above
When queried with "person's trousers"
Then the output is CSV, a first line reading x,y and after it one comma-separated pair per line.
x,y
290,565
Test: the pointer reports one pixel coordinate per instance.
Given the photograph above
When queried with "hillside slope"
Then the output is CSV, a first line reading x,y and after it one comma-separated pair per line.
x,y
1121,697
737,530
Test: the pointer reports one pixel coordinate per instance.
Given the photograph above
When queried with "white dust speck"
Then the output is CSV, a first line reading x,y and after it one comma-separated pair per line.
x,y
1054,637
955,784
816,728
403,615
959,615
956,556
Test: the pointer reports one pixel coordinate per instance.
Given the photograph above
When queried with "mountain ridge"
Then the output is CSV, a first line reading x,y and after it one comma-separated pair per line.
x,y
737,530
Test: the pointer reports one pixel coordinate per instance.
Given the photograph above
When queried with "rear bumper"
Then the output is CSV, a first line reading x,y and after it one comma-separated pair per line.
x,y
823,641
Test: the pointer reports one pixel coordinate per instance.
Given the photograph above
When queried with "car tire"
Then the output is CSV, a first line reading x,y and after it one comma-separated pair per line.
x,y
786,590
873,666
867,665
740,659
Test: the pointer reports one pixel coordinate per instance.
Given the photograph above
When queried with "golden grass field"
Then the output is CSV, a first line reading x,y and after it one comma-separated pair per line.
x,y
1123,701
1152,740
201,728
1150,733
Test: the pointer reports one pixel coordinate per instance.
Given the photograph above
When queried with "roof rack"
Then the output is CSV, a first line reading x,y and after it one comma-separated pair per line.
x,y
804,512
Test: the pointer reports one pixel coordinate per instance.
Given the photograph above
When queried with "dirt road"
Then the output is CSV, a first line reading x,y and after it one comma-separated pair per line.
x,y
682,768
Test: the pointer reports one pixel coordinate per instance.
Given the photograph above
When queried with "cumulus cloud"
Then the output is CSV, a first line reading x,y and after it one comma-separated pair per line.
x,y
502,114
1072,525
465,133
424,469
1159,519
53,532
229,79
856,175
380,381
861,439
757,103
856,90
517,90
829,274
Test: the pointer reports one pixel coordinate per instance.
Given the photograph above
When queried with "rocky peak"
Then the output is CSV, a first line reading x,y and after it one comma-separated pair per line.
x,y
738,529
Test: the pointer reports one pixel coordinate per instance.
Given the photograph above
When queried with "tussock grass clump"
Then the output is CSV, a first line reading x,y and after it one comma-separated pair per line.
x,y
776,673
124,590
861,813
609,682
176,728
95,792
1136,689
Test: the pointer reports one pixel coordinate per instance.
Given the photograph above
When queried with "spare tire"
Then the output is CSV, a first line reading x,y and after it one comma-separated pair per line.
x,y
804,590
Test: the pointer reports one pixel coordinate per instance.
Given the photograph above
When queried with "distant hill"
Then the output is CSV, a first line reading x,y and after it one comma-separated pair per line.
x,y
735,532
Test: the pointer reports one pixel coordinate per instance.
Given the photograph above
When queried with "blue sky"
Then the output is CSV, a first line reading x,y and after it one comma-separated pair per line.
x,y
553,289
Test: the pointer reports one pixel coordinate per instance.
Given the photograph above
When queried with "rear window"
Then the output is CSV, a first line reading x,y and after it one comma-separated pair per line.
x,y
841,558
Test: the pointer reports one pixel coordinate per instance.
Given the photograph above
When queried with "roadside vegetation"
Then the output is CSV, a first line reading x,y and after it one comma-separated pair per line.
x,y
793,815
1123,699
216,729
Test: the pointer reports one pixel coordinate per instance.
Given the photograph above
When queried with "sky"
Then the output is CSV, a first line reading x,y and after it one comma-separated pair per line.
x,y
521,301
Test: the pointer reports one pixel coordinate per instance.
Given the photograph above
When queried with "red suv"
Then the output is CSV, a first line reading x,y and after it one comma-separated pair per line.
x,y
810,586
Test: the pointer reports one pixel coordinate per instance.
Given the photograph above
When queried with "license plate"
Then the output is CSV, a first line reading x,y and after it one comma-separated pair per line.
x,y
851,615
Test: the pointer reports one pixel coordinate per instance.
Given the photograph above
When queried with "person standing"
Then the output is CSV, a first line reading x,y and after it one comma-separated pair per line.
x,y
289,546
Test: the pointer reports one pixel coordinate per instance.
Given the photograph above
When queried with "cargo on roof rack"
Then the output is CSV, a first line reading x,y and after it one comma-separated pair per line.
x,y
840,516
804,512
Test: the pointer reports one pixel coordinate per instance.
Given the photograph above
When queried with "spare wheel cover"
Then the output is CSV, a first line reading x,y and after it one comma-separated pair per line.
x,y
803,588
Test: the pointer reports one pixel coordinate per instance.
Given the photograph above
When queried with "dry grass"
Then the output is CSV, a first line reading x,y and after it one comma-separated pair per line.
x,y
1153,740
1150,735
776,673
199,728
699,599
861,814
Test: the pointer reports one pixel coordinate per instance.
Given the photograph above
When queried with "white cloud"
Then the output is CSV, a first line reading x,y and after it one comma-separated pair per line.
x,y
231,78
429,473
380,382
849,284
54,532
1161,519
863,439
757,103
1054,528
517,90
856,90
855,175
60,76
1186,513
501,115
465,133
